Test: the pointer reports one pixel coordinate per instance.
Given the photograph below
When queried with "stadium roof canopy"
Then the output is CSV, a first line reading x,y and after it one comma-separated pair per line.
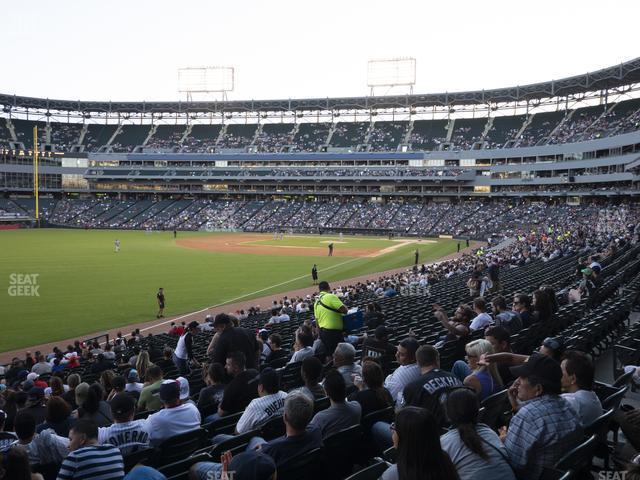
x,y
626,73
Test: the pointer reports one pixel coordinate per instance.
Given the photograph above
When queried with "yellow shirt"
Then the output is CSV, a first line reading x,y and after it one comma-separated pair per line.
x,y
328,318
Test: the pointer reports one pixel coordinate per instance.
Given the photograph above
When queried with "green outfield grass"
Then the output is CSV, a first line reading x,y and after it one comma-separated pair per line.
x,y
85,287
324,241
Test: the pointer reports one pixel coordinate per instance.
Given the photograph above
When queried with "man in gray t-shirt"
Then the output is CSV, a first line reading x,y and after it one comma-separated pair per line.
x,y
341,414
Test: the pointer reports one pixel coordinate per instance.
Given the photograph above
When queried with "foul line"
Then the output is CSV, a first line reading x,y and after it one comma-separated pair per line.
x,y
244,296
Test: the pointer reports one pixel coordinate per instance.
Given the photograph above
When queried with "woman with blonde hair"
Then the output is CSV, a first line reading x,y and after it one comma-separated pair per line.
x,y
483,379
143,363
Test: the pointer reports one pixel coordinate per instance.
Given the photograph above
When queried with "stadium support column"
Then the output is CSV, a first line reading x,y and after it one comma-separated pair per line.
x,y
35,173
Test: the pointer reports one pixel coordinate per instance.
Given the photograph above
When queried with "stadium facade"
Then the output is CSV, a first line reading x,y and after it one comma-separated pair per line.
x,y
570,140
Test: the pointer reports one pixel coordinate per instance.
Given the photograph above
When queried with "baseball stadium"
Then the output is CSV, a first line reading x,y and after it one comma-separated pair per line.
x,y
397,285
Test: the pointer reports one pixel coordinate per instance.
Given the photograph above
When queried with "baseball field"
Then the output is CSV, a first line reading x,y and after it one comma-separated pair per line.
x,y
58,284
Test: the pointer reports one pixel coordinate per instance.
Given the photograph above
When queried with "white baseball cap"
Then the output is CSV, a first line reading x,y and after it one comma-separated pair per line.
x,y
184,388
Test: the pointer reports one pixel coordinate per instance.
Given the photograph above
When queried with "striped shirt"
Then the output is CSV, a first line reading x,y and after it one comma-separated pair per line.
x,y
260,410
400,378
96,462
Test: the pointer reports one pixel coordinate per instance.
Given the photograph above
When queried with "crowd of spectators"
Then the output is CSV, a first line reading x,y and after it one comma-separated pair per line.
x,y
69,407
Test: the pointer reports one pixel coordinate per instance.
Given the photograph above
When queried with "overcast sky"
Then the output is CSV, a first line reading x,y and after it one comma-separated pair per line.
x,y
132,50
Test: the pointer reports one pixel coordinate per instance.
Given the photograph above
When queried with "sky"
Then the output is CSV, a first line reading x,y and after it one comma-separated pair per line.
x,y
131,50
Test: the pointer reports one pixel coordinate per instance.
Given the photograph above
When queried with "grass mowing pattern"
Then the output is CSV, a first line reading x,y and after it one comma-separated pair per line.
x,y
85,287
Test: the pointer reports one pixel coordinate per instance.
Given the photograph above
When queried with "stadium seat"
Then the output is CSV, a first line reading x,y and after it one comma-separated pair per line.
x,y
579,459
179,470
372,472
613,401
179,446
342,448
273,428
235,445
141,455
226,424
493,408
307,465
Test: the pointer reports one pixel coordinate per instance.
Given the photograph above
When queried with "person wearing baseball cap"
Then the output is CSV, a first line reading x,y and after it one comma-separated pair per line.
x,y
175,418
544,427
229,339
125,433
6,438
184,390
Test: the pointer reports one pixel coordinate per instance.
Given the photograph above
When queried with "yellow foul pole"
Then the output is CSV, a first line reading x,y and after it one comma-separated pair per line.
x,y
35,171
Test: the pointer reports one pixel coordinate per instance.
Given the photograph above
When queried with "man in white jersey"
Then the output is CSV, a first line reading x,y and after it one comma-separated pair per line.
x,y
126,433
117,245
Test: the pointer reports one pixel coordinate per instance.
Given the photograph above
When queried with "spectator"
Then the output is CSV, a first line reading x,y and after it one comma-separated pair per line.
x,y
482,318
298,439
407,372
35,404
92,407
545,427
6,438
522,306
342,413
183,354
56,388
500,340
232,339
542,306
143,363
275,348
344,362
578,373
57,417
69,396
416,437
89,459
373,316
42,366
175,417
118,385
101,364
311,373
475,450
126,433
165,363
302,348
211,395
269,404
43,448
457,326
371,394
483,379
149,396
328,310
504,317
241,390
133,382
15,466
185,394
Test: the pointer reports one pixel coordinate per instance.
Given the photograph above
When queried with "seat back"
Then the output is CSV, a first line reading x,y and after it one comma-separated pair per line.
x,y
623,380
321,404
384,415
492,409
578,459
141,455
273,428
342,450
226,424
180,446
235,445
600,426
614,400
180,470
305,466
372,472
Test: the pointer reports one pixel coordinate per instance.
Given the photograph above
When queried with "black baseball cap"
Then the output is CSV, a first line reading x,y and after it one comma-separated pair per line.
x,y
252,466
193,324
542,366
381,331
170,390
122,403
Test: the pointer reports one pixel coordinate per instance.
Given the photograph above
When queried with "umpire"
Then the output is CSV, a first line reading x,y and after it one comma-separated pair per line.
x,y
328,310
